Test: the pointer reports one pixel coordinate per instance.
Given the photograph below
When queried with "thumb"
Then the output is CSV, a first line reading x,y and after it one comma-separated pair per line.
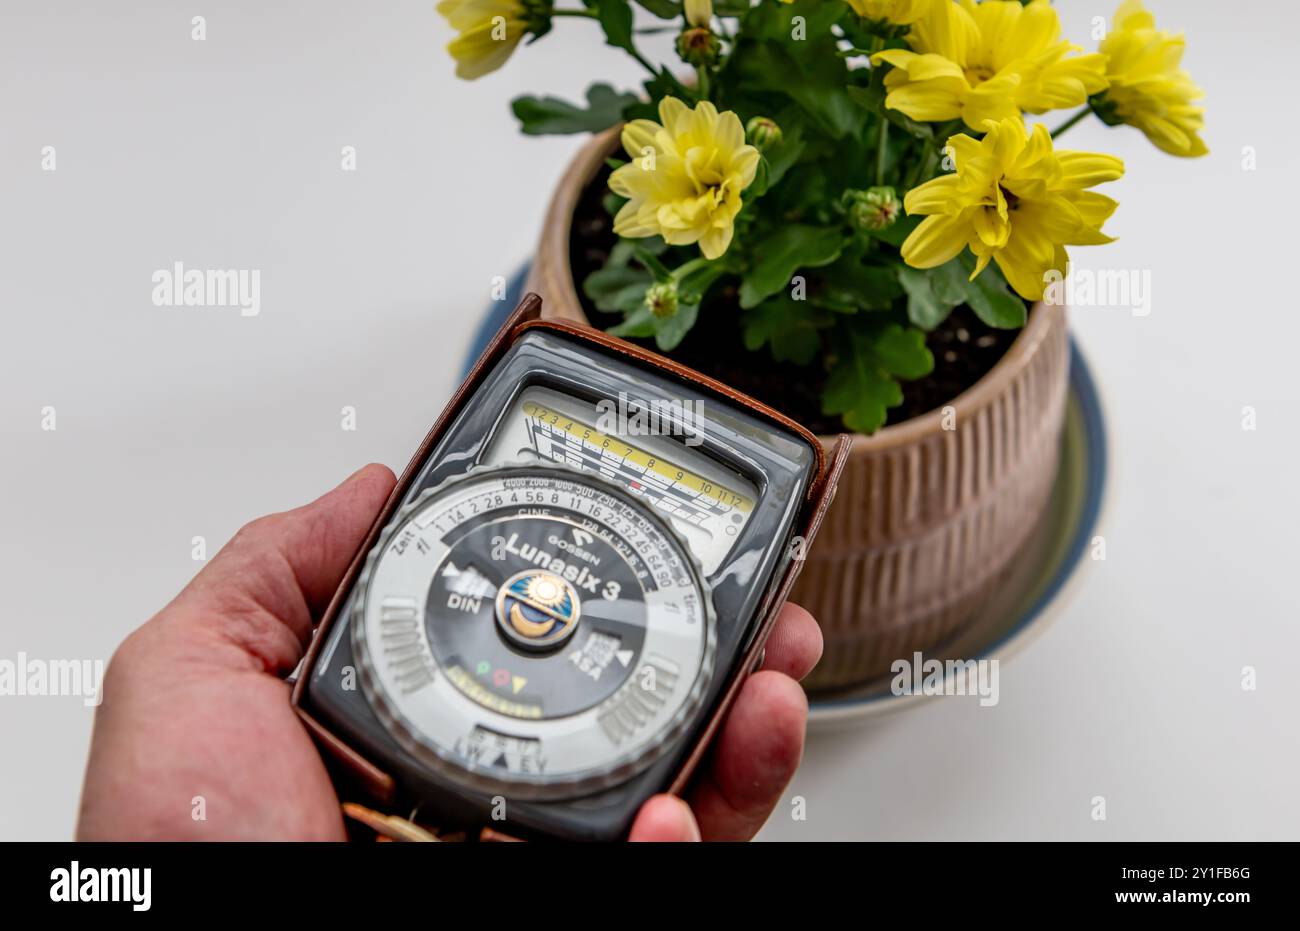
x,y
664,818
278,573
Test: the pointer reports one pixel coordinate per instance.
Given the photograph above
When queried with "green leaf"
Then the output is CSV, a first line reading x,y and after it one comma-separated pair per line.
x,y
650,259
902,351
863,384
909,125
620,285
848,286
783,156
898,231
638,324
541,116
789,327
993,301
758,187
924,308
808,73
932,293
869,98
693,285
615,18
627,249
773,21
664,9
872,99
864,32
949,281
777,257
669,331
617,288
612,203
663,84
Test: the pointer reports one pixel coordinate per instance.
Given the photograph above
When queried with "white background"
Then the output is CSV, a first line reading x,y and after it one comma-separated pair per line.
x,y
174,423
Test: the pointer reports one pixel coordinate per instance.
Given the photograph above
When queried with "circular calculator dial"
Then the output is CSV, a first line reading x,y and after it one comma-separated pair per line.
x,y
534,631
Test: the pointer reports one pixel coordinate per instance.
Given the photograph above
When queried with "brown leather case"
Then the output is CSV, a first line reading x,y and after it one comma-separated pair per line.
x,y
379,785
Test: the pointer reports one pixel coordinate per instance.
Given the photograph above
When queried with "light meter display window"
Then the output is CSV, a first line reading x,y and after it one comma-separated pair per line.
x,y
705,502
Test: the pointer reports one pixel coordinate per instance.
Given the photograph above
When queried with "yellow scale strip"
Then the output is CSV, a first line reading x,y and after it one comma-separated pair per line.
x,y
662,467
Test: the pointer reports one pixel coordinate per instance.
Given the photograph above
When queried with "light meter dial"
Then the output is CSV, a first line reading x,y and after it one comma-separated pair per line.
x,y
534,631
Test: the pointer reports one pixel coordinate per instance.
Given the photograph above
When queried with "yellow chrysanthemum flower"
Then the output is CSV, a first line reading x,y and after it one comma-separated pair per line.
x,y
686,176
895,11
1148,89
489,32
1013,200
988,61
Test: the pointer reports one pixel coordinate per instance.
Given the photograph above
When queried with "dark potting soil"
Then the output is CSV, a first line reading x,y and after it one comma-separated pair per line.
x,y
964,348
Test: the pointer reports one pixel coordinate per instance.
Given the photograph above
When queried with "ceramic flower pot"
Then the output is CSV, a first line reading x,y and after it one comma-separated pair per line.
x,y
930,512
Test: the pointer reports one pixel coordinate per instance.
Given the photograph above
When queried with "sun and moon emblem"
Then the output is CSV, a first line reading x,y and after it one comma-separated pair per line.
x,y
537,610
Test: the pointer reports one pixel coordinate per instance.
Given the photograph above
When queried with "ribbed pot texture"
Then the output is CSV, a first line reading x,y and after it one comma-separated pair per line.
x,y
929,513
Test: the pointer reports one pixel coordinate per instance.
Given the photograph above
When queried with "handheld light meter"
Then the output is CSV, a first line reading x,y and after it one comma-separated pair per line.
x,y
571,580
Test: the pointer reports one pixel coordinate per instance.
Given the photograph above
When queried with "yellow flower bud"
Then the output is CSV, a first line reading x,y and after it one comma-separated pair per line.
x,y
699,12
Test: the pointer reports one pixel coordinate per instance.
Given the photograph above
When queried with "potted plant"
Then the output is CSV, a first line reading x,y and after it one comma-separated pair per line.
x,y
849,210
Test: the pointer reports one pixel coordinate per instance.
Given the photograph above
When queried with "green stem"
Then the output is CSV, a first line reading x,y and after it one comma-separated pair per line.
x,y
933,151
1060,130
882,150
945,132
641,58
923,167
681,271
702,80
631,49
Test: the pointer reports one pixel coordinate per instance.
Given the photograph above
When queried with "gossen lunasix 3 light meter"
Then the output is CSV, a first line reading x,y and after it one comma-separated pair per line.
x,y
557,605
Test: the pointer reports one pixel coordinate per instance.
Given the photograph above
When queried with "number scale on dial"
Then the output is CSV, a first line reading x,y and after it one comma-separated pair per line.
x,y
533,630
678,491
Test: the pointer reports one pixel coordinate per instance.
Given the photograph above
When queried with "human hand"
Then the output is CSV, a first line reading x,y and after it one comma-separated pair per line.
x,y
195,705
